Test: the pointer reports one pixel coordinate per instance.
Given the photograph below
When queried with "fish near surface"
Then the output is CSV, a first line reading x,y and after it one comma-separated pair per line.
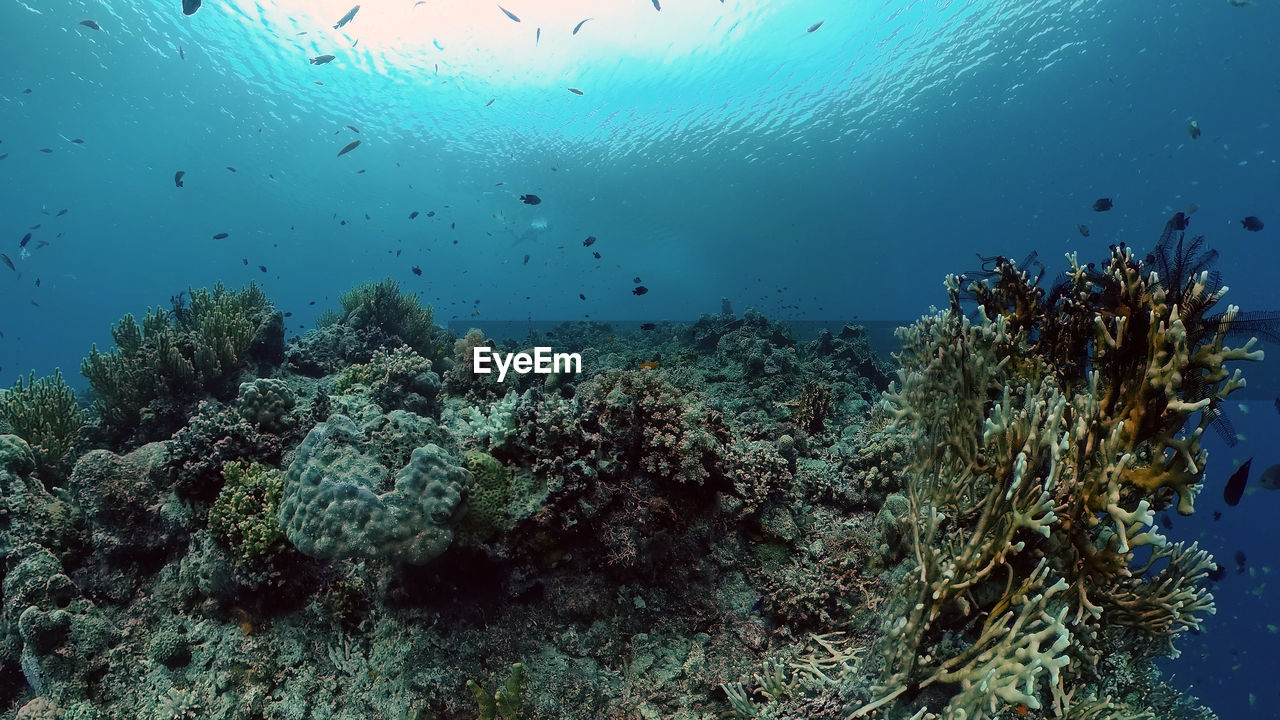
x,y
578,27
349,147
189,7
1084,230
1252,223
8,262
1102,205
321,59
177,177
530,199
90,24
348,17
508,13
1234,489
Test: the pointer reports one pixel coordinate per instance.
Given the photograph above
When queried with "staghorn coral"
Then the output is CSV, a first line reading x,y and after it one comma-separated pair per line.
x,y
145,386
1035,478
43,412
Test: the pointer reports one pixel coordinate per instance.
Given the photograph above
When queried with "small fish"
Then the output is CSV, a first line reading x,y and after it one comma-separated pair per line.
x,y
25,239
530,199
640,290
4,156
1251,223
35,227
61,212
453,226
490,102
1166,521
508,13
231,168
321,59
77,141
581,296
181,55
416,270
656,6
591,240
1270,478
1102,205
647,326
90,24
1193,130
636,280
575,91
413,214
189,7
43,243
431,213
361,171
221,236
1180,220
1084,230
8,262
245,261
349,147
288,314
596,254
177,177
348,17
263,268
46,150
526,262
816,25
537,37
37,282
353,128
1235,484
578,27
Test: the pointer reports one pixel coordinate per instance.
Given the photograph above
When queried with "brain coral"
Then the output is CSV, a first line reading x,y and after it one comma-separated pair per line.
x,y
341,502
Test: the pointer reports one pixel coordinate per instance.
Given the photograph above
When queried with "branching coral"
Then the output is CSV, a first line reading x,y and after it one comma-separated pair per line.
x,y
244,517
1047,433
383,308
43,412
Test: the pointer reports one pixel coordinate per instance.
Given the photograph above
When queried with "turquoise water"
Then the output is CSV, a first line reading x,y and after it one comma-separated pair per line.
x,y
717,150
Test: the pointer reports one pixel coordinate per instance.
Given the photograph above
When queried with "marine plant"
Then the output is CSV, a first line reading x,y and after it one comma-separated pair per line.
x,y
244,517
44,413
382,307
1047,431
161,367
505,704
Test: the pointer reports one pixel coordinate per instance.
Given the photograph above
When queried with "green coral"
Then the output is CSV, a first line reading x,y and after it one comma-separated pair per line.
x,y
382,306
507,703
499,496
163,365
43,412
244,518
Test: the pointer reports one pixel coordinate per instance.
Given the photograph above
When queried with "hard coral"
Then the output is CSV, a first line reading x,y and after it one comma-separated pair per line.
x,y
244,518
382,309
215,437
43,412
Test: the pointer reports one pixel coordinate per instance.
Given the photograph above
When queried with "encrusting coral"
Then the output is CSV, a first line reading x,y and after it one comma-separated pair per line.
x,y
1047,432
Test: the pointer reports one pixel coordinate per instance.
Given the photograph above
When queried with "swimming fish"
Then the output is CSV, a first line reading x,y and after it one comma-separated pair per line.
x,y
537,37
245,261
530,199
578,27
181,54
1193,130
431,213
177,177
816,25
348,17
575,91
1270,478
490,102
636,279
263,268
591,240
349,147
189,7
1102,205
4,156
8,262
595,254
25,239
416,270
1084,230
46,150
656,6
90,24
77,141
353,128
413,214
581,296
526,259
640,290
1235,484
508,13
321,59
1252,223
231,168
61,212
220,236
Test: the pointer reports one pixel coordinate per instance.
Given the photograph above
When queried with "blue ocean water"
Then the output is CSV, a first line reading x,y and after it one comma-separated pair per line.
x,y
716,150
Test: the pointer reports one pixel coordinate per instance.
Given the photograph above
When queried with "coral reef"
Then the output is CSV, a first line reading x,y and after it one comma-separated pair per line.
x,y
44,413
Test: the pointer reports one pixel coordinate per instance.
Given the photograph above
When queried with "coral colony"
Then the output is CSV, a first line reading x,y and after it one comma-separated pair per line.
x,y
697,521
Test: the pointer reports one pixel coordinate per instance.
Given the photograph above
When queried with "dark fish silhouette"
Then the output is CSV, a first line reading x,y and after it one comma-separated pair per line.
x,y
526,262
1084,230
591,240
490,102
636,279
1251,223
189,7
321,59
575,91
416,270
431,213
177,177
1218,572
77,141
348,17
647,326
8,262
221,236
1193,130
508,13
46,150
578,27
1102,204
413,214
25,239
581,296
1235,484
816,25
61,212
537,37
4,156
349,147
595,254
656,6
181,54
231,168
353,128
530,199
245,261
263,268
90,24
640,290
